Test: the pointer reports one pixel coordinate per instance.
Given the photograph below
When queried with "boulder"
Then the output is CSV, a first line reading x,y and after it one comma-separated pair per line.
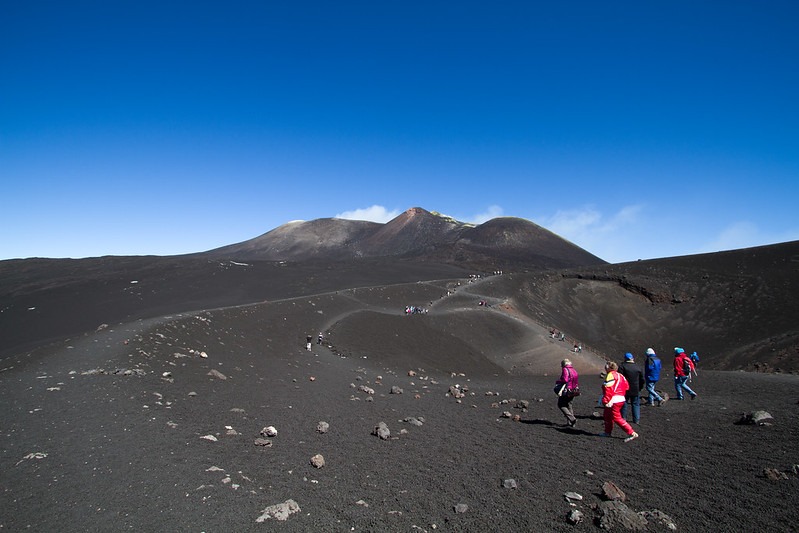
x,y
382,431
615,515
756,418
280,511
611,491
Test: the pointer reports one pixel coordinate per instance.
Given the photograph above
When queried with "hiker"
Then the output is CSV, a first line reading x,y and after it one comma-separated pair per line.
x,y
695,359
613,390
683,366
634,374
652,369
319,338
569,388
308,342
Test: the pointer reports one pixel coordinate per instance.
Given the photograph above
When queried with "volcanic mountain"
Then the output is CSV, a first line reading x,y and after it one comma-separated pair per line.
x,y
416,234
178,393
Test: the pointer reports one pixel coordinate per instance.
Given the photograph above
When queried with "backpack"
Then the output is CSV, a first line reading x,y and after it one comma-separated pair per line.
x,y
686,367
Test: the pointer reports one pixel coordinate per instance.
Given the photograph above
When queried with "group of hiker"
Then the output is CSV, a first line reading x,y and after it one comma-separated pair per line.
x,y
622,386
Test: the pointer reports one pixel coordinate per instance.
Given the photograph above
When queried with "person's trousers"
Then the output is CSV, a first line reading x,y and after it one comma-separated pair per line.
x,y
653,395
680,385
565,406
612,416
635,403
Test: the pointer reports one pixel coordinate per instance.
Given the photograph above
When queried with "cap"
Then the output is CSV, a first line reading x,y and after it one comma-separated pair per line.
x,y
650,351
679,350
628,356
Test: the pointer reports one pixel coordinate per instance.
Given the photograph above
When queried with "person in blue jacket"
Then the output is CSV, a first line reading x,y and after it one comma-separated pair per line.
x,y
652,369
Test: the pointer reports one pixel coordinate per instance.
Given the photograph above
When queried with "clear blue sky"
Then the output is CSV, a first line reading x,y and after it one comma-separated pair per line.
x,y
633,129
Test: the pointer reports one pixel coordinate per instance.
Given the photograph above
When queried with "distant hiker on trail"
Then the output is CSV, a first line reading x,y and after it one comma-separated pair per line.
x,y
652,369
319,338
683,366
569,388
613,390
308,342
695,359
635,379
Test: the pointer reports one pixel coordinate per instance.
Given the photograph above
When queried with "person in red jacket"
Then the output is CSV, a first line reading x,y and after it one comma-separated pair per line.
x,y
613,391
683,366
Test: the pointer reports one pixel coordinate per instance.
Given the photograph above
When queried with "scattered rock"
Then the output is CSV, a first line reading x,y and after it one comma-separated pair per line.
x,y
522,404
382,431
192,393
214,373
614,515
362,503
214,469
318,461
269,431
510,484
414,421
396,390
610,491
101,327
659,517
461,508
367,390
209,438
263,442
33,455
773,474
280,511
575,517
506,414
756,418
456,392
573,496
322,427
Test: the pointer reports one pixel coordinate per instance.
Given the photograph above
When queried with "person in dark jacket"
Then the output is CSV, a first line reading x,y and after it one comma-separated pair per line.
x,y
652,369
635,377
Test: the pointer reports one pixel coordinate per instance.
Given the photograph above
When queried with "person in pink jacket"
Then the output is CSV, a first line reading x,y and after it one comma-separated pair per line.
x,y
570,380
613,391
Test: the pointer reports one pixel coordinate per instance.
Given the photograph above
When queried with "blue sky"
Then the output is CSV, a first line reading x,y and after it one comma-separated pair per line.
x,y
633,129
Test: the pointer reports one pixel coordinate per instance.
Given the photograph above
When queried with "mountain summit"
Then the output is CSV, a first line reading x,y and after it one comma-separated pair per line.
x,y
416,234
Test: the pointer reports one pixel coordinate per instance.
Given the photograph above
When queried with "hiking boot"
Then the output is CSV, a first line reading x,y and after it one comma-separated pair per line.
x,y
631,437
694,397
573,423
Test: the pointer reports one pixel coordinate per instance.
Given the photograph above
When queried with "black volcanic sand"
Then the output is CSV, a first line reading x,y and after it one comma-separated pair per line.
x,y
124,451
